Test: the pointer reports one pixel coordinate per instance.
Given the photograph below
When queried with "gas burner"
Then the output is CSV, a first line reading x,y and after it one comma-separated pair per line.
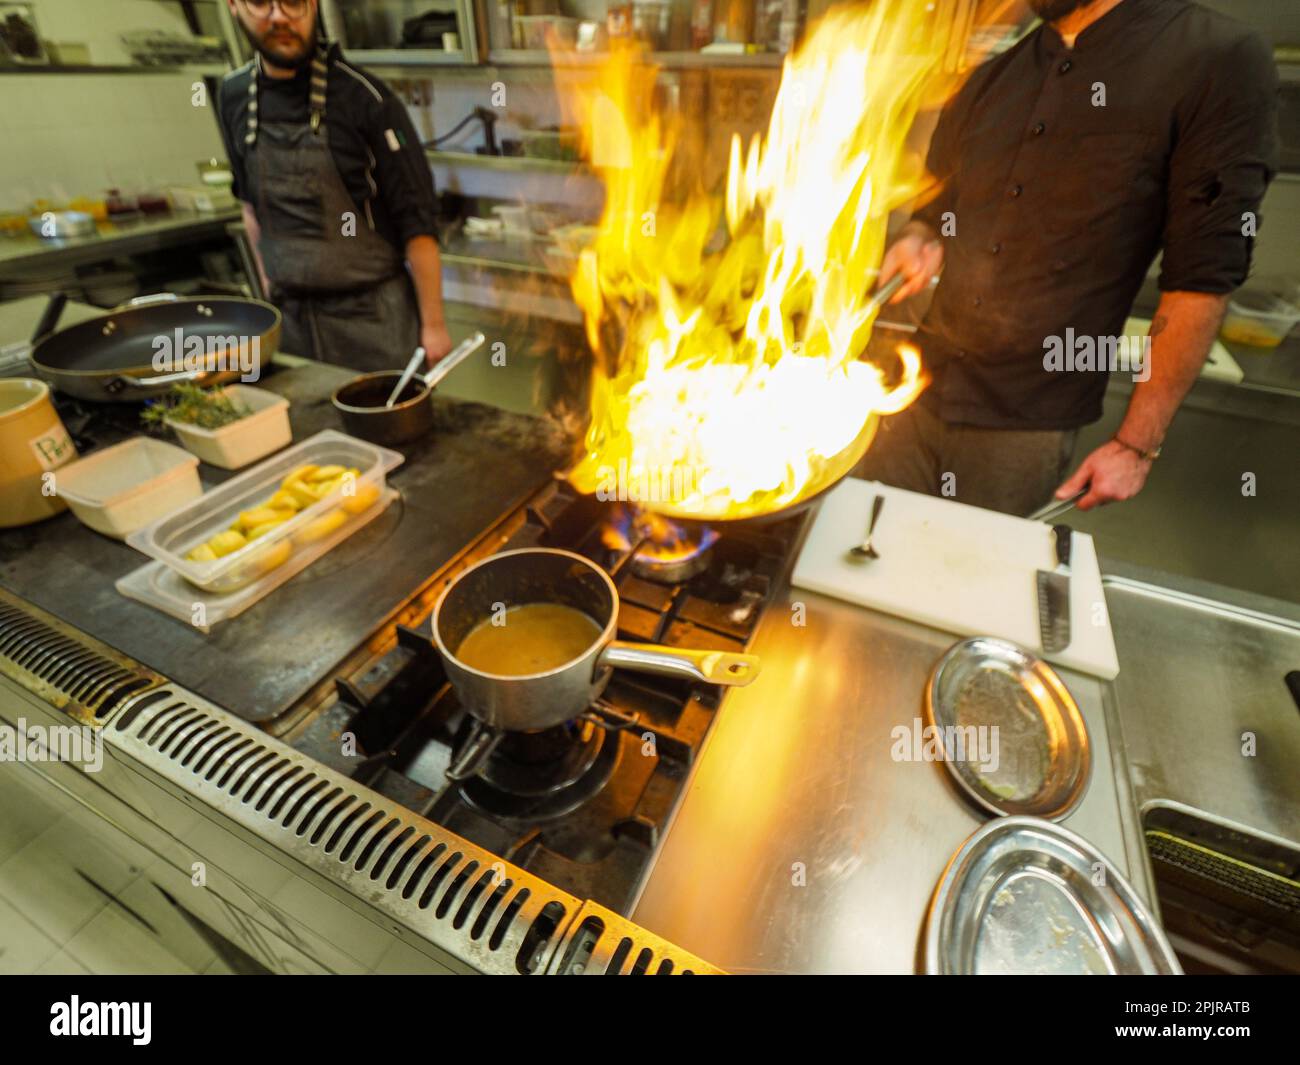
x,y
538,776
666,552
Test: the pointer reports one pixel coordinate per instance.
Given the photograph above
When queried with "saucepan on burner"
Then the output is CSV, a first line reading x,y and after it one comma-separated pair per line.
x,y
363,404
527,638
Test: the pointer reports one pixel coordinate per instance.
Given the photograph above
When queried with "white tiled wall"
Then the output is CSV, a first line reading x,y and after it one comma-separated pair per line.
x,y
77,134
99,24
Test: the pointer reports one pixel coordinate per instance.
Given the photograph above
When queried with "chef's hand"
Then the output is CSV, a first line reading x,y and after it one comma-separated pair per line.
x,y
436,342
917,254
1111,474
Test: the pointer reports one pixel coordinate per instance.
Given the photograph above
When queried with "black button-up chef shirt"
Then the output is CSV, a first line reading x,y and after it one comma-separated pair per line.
x,y
372,142
1060,204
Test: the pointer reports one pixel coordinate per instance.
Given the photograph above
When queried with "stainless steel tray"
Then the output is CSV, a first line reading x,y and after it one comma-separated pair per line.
x,y
1023,895
1032,755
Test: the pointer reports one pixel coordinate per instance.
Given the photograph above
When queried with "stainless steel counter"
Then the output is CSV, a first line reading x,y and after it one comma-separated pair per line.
x,y
1207,679
801,845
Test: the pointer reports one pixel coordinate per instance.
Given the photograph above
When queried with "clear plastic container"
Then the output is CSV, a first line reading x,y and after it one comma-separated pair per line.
x,y
158,586
233,446
119,489
171,538
1260,319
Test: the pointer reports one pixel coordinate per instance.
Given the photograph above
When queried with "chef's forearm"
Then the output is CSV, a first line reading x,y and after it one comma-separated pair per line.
x,y
254,232
426,271
1182,333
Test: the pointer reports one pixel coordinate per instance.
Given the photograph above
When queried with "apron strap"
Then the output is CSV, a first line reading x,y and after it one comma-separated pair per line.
x,y
316,98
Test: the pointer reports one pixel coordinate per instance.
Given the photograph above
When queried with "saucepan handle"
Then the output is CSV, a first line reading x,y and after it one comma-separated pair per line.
x,y
711,667
470,758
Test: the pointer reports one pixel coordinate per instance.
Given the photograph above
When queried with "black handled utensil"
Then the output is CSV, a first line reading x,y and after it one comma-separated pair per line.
x,y
1054,595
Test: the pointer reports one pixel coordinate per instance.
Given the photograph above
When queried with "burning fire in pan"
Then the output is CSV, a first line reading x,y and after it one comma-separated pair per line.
x,y
728,329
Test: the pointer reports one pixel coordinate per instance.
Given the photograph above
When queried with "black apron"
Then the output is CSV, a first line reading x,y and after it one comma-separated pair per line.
x,y
346,300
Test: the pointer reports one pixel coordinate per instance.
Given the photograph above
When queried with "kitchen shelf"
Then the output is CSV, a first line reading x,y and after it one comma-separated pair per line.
x,y
512,163
514,57
203,70
408,57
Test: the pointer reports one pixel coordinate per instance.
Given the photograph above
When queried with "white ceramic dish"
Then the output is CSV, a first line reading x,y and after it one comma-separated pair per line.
x,y
122,488
235,445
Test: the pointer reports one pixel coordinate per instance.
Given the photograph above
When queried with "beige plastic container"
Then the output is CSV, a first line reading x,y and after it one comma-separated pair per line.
x,y
122,488
235,445
33,442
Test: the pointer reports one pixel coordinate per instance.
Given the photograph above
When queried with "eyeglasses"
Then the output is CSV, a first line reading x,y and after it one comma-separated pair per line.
x,y
290,8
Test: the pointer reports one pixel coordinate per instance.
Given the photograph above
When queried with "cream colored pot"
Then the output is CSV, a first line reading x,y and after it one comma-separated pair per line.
x,y
33,443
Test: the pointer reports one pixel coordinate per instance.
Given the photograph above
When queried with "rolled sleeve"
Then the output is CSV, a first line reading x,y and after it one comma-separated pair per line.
x,y
402,172
1225,156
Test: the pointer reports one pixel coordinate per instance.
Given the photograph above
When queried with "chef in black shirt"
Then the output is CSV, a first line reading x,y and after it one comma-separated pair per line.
x,y
1115,130
337,195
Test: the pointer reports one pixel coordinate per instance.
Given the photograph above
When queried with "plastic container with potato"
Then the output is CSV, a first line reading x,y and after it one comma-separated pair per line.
x,y
293,502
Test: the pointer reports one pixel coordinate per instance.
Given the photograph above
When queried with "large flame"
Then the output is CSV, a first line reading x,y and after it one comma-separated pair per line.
x,y
728,381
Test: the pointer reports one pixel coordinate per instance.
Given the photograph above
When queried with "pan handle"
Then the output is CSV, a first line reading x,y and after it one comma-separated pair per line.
x,y
712,667
145,301
125,381
469,760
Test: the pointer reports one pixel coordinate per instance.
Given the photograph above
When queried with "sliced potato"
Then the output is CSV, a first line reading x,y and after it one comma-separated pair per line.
x,y
263,529
321,527
362,499
325,473
328,488
302,473
225,542
284,500
305,495
263,515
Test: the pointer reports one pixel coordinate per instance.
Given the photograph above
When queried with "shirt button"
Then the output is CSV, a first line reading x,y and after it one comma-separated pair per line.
x,y
1065,66
976,301
994,248
1015,191
1037,131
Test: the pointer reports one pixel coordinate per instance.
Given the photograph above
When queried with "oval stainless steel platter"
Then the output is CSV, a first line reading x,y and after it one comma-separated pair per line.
x,y
1025,896
1013,737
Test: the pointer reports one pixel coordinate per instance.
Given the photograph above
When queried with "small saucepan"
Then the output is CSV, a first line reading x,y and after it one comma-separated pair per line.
x,y
504,702
362,401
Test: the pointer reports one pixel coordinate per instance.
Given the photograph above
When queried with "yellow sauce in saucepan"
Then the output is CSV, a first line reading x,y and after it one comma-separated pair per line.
x,y
532,638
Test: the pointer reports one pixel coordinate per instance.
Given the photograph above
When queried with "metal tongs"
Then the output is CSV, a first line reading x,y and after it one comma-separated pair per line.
x,y
887,290
1056,507
449,362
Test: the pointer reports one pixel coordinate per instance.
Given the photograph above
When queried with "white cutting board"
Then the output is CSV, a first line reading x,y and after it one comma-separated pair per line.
x,y
1218,364
956,568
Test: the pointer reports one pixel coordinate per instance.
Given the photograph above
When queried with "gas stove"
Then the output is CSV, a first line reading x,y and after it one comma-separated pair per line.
x,y
585,804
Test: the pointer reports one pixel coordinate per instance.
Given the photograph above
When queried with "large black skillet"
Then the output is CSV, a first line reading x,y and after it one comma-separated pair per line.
x,y
111,358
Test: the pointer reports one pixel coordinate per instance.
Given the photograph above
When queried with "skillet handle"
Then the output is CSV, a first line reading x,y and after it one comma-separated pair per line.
x,y
145,301
712,667
124,381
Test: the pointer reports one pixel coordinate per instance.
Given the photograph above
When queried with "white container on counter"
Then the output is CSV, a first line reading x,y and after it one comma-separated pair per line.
x,y
308,531
265,430
122,488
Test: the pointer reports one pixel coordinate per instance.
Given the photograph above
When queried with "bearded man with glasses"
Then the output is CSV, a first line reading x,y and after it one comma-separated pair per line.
x,y
336,193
